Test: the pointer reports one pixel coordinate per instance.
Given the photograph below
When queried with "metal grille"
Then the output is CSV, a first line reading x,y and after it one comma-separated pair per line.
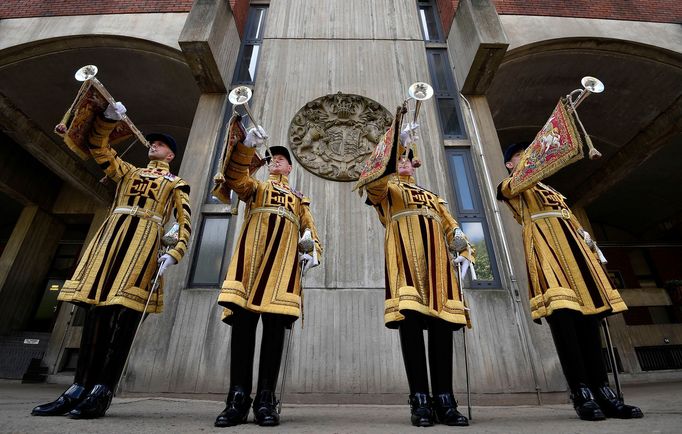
x,y
659,357
15,355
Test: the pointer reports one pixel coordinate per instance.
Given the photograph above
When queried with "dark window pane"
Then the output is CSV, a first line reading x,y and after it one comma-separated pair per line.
x,y
447,107
215,166
466,201
256,24
211,252
247,64
440,68
429,23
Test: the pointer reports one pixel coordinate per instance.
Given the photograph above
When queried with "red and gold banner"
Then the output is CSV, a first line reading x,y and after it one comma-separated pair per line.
x,y
383,156
235,134
78,121
557,145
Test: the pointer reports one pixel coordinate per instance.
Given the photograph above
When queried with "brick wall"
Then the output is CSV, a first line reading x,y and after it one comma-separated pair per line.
x,y
657,11
55,8
240,11
42,8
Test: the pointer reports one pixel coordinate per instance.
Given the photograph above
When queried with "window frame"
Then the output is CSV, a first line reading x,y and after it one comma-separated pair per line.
x,y
475,215
445,91
430,4
225,256
246,43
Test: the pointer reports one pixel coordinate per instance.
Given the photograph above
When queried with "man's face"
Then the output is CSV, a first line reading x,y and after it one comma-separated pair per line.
x,y
405,167
511,164
279,165
159,151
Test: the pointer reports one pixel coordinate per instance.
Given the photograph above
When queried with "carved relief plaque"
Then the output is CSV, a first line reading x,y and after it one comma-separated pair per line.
x,y
332,136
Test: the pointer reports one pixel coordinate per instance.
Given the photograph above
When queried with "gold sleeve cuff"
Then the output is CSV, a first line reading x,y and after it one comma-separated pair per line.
x,y
243,155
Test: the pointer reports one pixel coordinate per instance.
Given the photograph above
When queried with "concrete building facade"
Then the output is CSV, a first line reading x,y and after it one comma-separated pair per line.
x,y
497,68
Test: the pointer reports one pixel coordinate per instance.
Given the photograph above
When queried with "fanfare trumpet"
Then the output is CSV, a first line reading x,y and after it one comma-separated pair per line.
x,y
575,98
590,85
559,143
419,92
91,100
241,95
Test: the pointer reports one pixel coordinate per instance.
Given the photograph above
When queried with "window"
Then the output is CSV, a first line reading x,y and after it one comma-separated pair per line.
x,y
210,260
247,62
445,93
442,78
227,113
471,216
211,257
430,21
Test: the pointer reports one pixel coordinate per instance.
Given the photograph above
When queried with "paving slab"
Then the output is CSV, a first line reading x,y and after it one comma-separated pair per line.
x,y
661,403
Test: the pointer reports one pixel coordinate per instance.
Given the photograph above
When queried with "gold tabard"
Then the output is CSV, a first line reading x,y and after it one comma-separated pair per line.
x,y
119,264
419,274
264,272
563,272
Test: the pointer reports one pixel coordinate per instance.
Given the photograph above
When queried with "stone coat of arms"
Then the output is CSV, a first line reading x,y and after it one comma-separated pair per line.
x,y
333,135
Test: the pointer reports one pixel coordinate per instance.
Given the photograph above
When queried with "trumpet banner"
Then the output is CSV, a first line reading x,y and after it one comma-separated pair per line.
x,y
77,122
384,157
558,144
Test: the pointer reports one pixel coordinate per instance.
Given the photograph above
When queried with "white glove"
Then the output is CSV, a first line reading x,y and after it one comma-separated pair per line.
x,y
115,112
166,261
459,241
466,265
255,137
306,244
308,261
409,130
592,245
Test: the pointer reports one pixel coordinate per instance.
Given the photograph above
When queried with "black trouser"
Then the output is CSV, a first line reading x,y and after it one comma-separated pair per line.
x,y
414,353
578,344
108,333
243,346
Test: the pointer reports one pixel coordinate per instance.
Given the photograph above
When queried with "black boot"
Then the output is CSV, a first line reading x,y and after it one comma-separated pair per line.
x,y
585,405
265,408
445,409
95,404
614,407
420,407
64,404
237,408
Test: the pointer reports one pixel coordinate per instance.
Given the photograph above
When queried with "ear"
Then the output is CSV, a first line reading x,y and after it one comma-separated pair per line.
x,y
170,157
509,165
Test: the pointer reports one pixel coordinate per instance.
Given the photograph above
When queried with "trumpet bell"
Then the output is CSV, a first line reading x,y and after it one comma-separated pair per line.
x,y
592,84
86,73
420,91
240,95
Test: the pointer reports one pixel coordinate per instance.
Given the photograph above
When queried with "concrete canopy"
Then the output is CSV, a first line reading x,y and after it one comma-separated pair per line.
x,y
636,124
152,80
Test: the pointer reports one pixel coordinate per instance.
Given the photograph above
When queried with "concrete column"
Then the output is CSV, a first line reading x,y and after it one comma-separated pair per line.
x,y
537,351
477,45
165,350
23,266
